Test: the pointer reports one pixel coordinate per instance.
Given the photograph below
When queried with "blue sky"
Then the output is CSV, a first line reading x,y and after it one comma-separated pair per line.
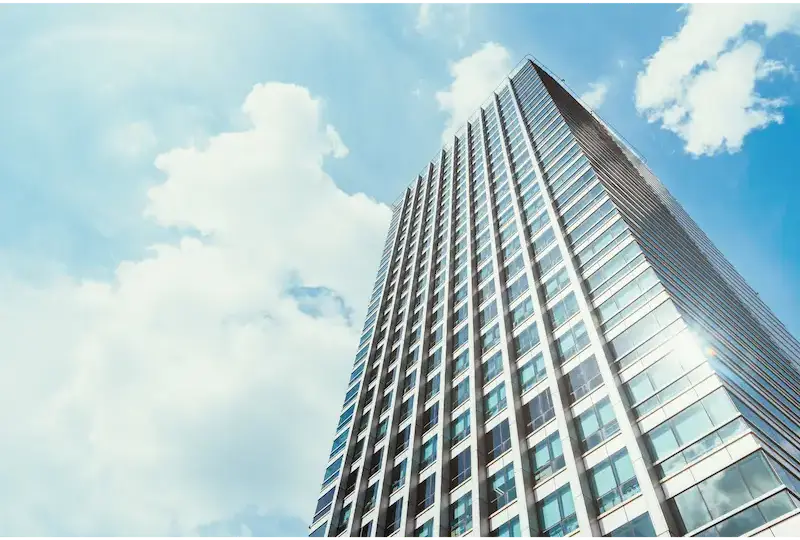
x,y
193,202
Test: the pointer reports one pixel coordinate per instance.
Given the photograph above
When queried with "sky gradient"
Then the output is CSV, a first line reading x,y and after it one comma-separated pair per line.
x,y
193,202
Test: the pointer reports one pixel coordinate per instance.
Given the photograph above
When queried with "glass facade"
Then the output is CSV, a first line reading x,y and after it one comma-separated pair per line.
x,y
552,347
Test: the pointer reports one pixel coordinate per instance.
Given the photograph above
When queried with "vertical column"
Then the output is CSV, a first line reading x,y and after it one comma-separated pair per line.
x,y
628,427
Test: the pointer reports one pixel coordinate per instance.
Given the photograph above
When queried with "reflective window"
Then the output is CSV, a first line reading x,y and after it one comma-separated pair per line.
x,y
583,379
323,504
556,284
725,491
596,425
494,401
640,526
538,411
556,513
425,530
371,497
402,440
563,310
461,392
399,476
332,471
460,468
498,441
642,331
526,340
430,417
459,429
460,363
344,519
490,338
613,481
549,260
428,453
393,516
532,372
510,528
502,488
426,493
521,313
461,336
516,289
432,386
547,458
571,342
492,367
461,515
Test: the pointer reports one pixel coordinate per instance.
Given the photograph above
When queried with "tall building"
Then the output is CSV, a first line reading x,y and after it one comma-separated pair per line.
x,y
554,348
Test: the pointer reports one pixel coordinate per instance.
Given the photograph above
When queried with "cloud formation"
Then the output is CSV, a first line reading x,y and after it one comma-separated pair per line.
x,y
448,21
475,77
596,95
191,390
701,83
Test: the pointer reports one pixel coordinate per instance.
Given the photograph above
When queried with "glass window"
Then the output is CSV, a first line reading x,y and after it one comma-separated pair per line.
x,y
516,289
640,526
532,372
344,519
494,401
432,386
332,471
557,513
539,411
510,528
461,337
425,530
571,342
461,515
426,493
613,481
514,267
502,488
319,531
492,367
393,515
641,331
324,504
402,439
490,338
399,476
487,314
461,392
428,453
460,468
498,441
430,417
526,340
563,310
371,497
556,284
407,408
583,379
460,428
339,443
460,363
547,458
549,260
521,313
596,425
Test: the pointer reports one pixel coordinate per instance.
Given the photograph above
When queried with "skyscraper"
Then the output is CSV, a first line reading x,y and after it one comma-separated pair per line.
x,y
554,348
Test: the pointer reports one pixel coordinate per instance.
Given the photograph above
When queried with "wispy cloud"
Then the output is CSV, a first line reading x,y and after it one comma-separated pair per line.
x,y
445,21
596,95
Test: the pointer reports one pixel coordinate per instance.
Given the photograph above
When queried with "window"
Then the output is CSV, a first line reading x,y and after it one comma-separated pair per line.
x,y
549,260
645,335
615,268
332,471
640,526
410,381
613,481
319,531
665,374
433,362
630,298
386,403
428,453
407,408
425,530
461,337
459,429
436,335
486,292
547,458
461,515
556,513
344,519
502,488
366,530
516,289
393,517
324,504
359,449
460,294
563,310
556,284
526,340
532,372
371,497
573,341
432,387
521,313
544,240
596,425
494,401
461,393
492,367
485,272
430,417
498,441
488,314
460,314
460,363
723,492
460,468
539,411
690,424
583,379
510,528
399,476
339,443
426,493
402,440
383,427
514,267
375,462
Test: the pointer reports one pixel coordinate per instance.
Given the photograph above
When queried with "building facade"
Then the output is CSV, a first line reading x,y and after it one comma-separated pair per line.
x,y
554,348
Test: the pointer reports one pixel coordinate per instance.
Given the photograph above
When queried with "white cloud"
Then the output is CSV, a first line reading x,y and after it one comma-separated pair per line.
x,y
191,386
132,141
596,95
447,21
701,83
475,77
